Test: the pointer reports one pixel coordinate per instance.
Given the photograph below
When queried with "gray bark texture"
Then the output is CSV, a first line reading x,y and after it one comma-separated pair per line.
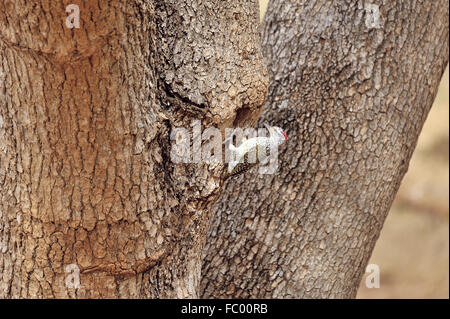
x,y
351,82
86,115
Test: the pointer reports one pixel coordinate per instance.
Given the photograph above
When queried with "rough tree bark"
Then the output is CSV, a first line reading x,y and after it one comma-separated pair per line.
x,y
85,121
352,83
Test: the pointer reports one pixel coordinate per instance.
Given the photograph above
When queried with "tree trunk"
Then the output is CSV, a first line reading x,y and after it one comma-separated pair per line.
x,y
351,83
86,181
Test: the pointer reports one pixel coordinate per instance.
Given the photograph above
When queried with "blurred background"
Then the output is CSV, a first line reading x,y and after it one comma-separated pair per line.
x,y
413,249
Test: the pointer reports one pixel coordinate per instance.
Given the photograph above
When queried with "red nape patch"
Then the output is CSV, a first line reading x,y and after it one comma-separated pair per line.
x,y
285,136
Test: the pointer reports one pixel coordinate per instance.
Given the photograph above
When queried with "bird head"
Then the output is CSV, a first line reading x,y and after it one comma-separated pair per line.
x,y
277,133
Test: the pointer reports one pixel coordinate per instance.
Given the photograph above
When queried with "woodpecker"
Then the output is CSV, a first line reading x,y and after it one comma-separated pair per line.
x,y
262,146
